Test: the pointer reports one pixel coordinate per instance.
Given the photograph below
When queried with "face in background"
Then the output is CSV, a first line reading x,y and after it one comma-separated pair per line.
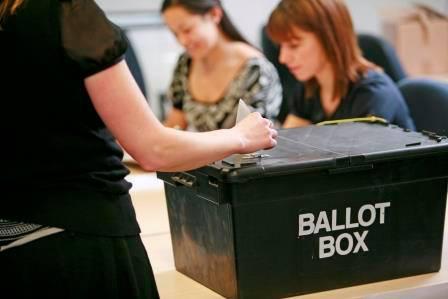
x,y
196,33
303,55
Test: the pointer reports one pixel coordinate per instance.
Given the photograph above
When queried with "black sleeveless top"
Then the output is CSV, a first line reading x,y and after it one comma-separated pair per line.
x,y
60,165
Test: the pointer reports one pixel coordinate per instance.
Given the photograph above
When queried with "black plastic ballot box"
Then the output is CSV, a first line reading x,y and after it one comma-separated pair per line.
x,y
329,207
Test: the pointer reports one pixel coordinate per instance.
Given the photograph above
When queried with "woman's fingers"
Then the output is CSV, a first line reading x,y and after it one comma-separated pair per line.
x,y
257,133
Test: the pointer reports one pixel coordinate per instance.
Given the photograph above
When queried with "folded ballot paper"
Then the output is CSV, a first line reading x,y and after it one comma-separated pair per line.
x,y
238,160
243,111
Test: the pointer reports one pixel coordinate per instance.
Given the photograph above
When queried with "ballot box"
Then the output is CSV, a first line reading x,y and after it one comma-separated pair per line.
x,y
330,207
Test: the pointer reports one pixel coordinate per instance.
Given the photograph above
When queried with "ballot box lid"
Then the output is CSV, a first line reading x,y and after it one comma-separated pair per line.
x,y
339,146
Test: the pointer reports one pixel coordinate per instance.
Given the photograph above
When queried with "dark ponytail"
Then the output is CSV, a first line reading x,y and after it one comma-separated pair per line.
x,y
201,7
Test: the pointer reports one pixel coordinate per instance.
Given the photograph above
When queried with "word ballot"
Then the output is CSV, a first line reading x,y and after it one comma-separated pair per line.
x,y
349,241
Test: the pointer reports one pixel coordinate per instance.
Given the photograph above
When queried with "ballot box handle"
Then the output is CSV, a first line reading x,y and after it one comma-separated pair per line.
x,y
184,179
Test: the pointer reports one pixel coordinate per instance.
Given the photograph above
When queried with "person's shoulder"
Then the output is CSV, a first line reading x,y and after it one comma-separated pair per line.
x,y
375,81
378,92
183,62
263,66
252,63
245,51
183,59
374,78
376,87
85,8
88,37
253,57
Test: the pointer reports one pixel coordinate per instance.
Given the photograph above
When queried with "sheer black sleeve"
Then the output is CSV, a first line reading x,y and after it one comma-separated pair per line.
x,y
89,38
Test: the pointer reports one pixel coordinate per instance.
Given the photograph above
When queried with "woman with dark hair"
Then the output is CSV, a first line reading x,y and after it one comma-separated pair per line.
x,y
218,68
319,47
67,225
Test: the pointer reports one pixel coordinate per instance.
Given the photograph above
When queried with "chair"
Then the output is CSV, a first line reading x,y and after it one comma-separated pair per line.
x,y
428,103
380,52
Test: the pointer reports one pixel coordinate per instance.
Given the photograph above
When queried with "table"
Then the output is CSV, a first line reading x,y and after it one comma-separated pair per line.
x,y
149,201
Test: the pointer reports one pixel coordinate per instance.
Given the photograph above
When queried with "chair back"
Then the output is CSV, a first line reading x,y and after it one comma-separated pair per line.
x,y
380,52
428,103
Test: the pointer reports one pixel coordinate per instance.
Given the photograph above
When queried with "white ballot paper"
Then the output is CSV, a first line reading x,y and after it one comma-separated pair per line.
x,y
243,111
239,159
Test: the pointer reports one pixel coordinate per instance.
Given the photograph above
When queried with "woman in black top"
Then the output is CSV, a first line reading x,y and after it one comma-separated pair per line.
x,y
67,225
319,47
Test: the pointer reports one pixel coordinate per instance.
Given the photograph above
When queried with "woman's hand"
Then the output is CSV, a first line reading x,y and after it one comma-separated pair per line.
x,y
255,133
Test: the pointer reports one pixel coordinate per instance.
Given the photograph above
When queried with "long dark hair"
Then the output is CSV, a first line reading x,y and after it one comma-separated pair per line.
x,y
201,7
8,7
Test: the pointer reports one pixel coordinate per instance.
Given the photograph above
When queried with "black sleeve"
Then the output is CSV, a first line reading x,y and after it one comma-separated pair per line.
x,y
89,38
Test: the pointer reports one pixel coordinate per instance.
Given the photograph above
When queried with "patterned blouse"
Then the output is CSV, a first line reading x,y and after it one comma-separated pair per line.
x,y
257,84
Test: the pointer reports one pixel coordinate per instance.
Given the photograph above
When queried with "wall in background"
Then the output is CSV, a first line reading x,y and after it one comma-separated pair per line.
x,y
367,14
129,5
158,50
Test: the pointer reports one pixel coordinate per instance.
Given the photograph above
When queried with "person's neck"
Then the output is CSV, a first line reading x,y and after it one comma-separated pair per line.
x,y
216,54
326,79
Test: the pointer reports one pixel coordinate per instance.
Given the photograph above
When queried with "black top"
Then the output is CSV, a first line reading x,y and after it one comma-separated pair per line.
x,y
61,166
374,94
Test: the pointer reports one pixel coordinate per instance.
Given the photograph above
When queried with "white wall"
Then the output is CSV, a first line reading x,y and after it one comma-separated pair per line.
x,y
367,14
121,5
158,50
249,15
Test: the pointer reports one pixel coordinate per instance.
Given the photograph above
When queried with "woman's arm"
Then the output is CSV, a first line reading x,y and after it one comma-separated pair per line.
x,y
123,109
293,121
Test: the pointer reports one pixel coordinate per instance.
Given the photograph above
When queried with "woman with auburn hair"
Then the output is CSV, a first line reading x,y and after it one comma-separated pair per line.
x,y
218,68
68,228
319,47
